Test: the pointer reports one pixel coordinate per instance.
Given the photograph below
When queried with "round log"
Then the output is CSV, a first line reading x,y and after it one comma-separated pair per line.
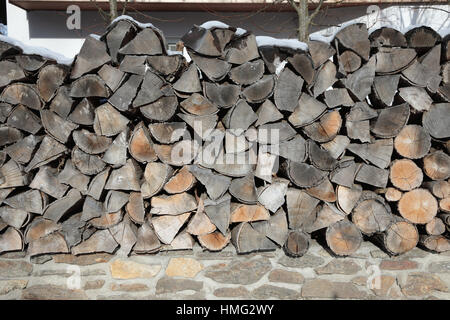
x,y
412,142
436,243
214,241
392,194
405,174
435,227
444,204
297,244
343,238
437,165
418,206
400,237
371,216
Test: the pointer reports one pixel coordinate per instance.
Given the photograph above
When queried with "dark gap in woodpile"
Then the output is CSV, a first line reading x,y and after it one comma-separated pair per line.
x,y
345,142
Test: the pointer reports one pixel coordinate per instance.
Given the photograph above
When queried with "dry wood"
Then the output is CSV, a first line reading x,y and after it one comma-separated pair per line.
x,y
147,240
214,241
49,80
133,65
360,81
325,78
173,205
438,243
393,194
246,239
248,72
405,174
126,177
320,52
437,165
260,90
22,118
356,38
326,128
108,121
307,111
435,227
400,237
10,72
349,62
23,150
385,88
300,208
89,86
435,120
10,240
113,77
390,121
288,89
338,97
387,37
324,191
393,60
166,227
297,243
418,206
52,243
183,180
412,142
21,93
343,238
303,64
444,204
100,241
242,49
122,97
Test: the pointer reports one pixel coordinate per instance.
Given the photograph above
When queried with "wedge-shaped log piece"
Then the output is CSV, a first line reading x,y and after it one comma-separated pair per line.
x,y
200,224
135,207
72,230
422,37
337,146
320,158
50,78
241,116
202,41
92,55
267,112
379,152
156,175
125,178
88,164
167,227
113,77
5,110
97,184
276,228
371,216
248,72
30,63
62,103
260,90
303,64
294,149
248,213
133,64
13,175
223,95
90,142
385,88
320,52
437,165
5,193
412,142
387,37
166,66
89,86
147,240
47,181
435,120
122,97
307,111
52,243
400,237
355,37
21,93
338,97
347,197
161,110
324,191
326,128
23,150
124,234
100,241
16,218
300,207
348,62
235,164
417,98
57,209
343,238
10,72
9,135
202,125
345,173
325,78
56,126
287,90
242,49
244,189
297,243
146,42
141,145
108,121
405,174
118,35
173,205
32,201
198,105
360,82
73,177
183,241
438,243
304,175
390,121
83,113
116,155
272,196
216,185
22,118
266,166
215,69
246,239
393,60
219,212
214,241
189,81
91,209
11,240
115,201
168,132
107,220
418,206
275,133
178,154
150,90
372,175
326,216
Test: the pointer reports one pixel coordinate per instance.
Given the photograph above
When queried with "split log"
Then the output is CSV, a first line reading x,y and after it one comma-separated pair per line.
x,y
438,243
400,237
182,181
167,66
324,191
356,38
288,89
83,113
156,175
320,52
248,213
12,175
189,81
126,177
141,145
135,207
146,42
412,142
303,64
385,88
260,90
347,197
274,133
124,234
307,110
417,98
435,120
343,238
10,72
337,146
390,121
214,241
202,41
30,63
235,164
247,73
107,220
387,37
23,150
300,208
304,175
46,180
297,243
272,196
56,126
133,64
100,241
113,77
90,142
320,158
405,174
166,227
97,184
173,205
32,201
150,90
168,132
422,37
10,240
214,69
435,227
122,97
325,78
246,239
202,125
50,78
147,240
92,56
89,86
379,153
119,34
91,209
418,206
52,243
360,81
57,209
244,189
326,128
108,121
242,49
200,224
349,62
161,110
16,218
9,135
115,201
393,60
198,105
219,212
267,112
178,154
295,149
88,164
338,97
324,216
240,116
21,93
372,175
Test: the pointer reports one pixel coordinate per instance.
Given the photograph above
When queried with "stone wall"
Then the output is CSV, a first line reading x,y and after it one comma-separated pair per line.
x,y
225,275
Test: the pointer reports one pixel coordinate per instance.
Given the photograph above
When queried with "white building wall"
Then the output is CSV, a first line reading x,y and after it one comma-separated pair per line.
x,y
48,28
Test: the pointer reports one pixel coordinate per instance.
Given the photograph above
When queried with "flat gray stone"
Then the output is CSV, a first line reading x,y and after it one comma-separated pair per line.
x,y
268,291
171,285
15,269
306,261
339,267
439,267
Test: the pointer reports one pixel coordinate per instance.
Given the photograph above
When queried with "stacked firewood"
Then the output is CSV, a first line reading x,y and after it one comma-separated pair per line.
x,y
132,150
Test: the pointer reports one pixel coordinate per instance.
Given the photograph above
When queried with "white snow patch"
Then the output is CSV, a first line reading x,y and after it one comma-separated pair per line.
x,y
285,43
43,52
240,31
279,65
3,29
214,24
139,24
186,55
95,36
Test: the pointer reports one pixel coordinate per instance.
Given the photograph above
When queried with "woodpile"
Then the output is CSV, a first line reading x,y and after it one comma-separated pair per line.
x,y
132,150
